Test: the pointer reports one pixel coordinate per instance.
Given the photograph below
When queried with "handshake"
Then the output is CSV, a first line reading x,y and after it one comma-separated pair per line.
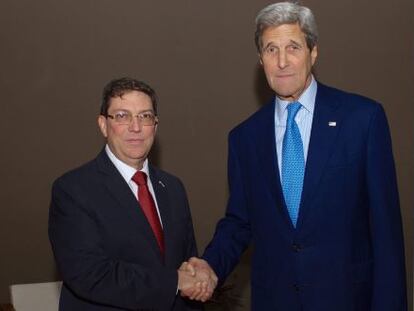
x,y
196,279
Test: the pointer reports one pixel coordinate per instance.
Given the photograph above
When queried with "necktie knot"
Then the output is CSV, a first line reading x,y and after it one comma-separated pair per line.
x,y
293,109
140,178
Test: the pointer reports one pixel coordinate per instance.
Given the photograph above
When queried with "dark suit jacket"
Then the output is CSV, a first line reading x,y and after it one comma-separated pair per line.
x,y
346,252
104,247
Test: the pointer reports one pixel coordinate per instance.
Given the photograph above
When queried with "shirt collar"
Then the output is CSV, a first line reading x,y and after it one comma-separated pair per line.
x,y
126,171
307,100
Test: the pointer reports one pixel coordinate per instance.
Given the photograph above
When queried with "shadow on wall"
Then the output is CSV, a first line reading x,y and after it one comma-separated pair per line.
x,y
261,88
155,154
234,295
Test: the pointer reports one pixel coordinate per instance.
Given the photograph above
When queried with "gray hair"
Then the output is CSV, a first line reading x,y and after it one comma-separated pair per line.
x,y
280,13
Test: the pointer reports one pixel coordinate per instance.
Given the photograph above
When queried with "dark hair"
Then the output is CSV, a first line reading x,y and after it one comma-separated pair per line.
x,y
119,87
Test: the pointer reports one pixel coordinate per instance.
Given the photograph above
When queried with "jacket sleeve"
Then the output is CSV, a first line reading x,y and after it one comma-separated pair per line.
x,y
233,232
389,284
191,251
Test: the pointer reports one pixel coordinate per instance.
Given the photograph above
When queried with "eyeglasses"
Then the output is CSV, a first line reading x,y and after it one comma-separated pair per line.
x,y
122,117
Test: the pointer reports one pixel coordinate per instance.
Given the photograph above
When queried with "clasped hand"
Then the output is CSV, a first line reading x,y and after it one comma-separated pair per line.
x,y
196,279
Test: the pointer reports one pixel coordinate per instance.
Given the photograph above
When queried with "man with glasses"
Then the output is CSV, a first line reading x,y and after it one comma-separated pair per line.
x,y
119,227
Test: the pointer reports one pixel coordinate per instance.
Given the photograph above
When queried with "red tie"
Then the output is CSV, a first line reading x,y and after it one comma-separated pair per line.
x,y
148,207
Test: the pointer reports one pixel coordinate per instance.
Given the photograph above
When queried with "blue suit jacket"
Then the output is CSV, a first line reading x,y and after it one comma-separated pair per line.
x,y
104,246
346,252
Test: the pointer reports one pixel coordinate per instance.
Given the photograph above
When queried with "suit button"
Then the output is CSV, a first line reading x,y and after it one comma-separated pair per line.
x,y
296,247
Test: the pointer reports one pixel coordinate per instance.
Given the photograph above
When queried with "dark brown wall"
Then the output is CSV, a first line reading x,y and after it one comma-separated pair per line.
x,y
55,57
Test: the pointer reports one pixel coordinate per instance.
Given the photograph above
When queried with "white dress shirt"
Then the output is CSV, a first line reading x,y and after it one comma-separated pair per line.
x,y
128,172
303,118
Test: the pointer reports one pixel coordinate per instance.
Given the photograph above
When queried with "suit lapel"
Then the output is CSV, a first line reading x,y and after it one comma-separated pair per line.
x,y
268,163
120,191
325,127
161,193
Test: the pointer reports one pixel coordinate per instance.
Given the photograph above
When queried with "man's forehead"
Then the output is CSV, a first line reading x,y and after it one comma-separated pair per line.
x,y
132,97
124,93
284,30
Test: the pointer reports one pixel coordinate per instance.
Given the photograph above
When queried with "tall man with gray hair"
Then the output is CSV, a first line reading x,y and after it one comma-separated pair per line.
x,y
312,187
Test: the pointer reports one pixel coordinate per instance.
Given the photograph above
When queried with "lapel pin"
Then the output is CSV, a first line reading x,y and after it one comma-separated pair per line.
x,y
160,182
332,123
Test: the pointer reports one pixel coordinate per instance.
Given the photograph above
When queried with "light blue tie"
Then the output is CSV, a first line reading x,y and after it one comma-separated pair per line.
x,y
293,163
